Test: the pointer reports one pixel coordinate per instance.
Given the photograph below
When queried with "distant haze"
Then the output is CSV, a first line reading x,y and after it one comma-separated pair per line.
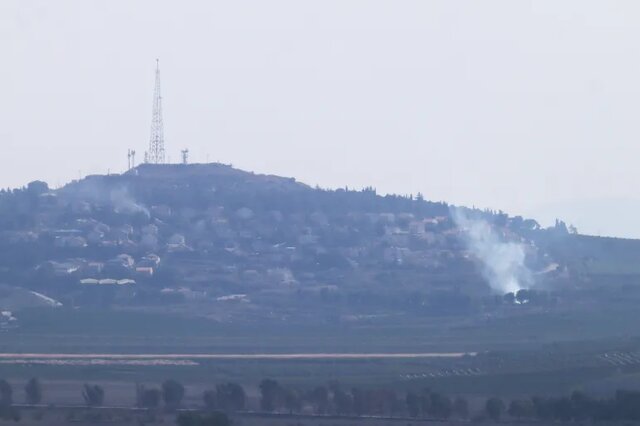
x,y
531,107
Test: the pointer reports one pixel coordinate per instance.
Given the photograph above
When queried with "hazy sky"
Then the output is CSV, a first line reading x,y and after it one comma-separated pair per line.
x,y
532,107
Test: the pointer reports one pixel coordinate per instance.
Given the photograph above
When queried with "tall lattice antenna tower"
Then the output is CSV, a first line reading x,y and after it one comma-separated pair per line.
x,y
156,143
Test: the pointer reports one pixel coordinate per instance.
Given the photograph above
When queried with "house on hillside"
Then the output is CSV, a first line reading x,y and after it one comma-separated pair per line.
x,y
70,242
177,246
121,264
145,271
106,282
60,269
151,260
93,268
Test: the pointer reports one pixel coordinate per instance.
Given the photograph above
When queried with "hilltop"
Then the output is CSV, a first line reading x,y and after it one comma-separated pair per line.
x,y
212,240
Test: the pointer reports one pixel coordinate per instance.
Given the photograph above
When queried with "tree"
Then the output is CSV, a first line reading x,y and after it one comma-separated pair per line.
x,y
413,404
342,401
391,403
375,400
494,408
359,401
509,298
542,408
230,397
320,399
583,405
147,398
523,296
521,408
269,390
425,402
292,400
172,393
210,399
441,406
563,410
627,404
33,391
37,187
530,225
216,418
93,395
560,227
461,408
9,412
6,393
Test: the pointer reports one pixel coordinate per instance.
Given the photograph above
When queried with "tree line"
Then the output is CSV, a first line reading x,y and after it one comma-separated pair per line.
x,y
333,399
624,405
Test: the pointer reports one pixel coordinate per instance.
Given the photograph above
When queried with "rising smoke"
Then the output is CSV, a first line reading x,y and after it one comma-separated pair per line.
x,y
123,202
95,190
503,262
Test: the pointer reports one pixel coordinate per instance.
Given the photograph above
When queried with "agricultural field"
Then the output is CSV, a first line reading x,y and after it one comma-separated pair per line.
x,y
87,417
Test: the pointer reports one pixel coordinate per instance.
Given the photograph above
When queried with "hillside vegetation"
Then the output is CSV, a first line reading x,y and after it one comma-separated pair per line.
x,y
212,241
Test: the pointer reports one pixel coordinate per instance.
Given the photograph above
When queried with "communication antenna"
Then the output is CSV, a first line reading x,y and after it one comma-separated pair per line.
x,y
131,159
155,154
185,156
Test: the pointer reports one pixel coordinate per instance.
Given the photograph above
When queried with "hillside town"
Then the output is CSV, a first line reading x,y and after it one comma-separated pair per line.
x,y
161,234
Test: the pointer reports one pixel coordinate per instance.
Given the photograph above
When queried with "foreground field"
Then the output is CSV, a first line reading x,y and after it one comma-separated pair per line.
x,y
122,332
554,351
85,417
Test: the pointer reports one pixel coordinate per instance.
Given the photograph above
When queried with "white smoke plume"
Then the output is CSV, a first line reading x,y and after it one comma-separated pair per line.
x,y
503,262
97,190
123,202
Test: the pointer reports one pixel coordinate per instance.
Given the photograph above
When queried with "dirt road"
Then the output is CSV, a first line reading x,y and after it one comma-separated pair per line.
x,y
281,356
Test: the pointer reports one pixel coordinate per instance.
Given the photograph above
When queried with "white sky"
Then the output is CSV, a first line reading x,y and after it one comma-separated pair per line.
x,y
526,106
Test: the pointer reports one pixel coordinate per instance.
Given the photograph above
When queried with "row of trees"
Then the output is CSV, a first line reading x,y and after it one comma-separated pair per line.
x,y
332,399
274,397
33,395
32,391
171,393
623,406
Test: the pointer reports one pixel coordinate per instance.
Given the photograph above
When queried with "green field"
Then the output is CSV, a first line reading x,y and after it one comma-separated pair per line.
x,y
550,351
121,331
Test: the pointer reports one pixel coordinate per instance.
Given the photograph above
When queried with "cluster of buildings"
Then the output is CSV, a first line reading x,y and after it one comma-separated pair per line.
x,y
254,247
122,269
117,242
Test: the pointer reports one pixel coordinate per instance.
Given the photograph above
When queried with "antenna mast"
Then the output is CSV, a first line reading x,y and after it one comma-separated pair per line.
x,y
156,143
131,158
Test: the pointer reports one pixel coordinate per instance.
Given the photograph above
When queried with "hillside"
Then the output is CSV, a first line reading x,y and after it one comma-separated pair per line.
x,y
214,241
